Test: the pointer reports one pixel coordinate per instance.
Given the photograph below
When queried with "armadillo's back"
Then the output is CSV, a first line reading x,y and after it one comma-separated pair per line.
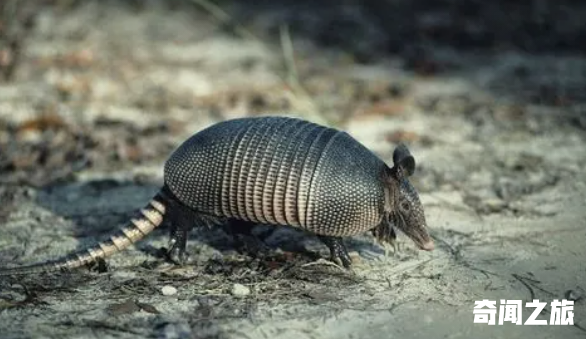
x,y
278,170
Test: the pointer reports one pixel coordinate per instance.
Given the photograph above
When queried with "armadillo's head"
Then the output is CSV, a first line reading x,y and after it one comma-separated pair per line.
x,y
404,209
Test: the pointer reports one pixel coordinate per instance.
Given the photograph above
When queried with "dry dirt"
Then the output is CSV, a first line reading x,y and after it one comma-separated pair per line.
x,y
94,96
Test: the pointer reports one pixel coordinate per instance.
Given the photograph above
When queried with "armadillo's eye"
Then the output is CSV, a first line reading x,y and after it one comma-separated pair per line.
x,y
405,206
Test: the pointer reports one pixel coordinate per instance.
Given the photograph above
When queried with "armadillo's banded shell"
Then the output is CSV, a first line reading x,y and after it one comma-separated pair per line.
x,y
282,171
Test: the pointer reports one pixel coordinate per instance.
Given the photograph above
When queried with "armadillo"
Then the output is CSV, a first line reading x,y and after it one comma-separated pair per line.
x,y
276,171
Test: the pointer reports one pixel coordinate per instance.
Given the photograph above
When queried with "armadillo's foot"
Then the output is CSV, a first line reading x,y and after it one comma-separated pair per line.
x,y
178,256
177,247
385,235
392,240
391,249
181,221
338,252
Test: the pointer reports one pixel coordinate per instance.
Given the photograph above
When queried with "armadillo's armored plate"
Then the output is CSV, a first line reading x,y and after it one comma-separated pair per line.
x,y
281,171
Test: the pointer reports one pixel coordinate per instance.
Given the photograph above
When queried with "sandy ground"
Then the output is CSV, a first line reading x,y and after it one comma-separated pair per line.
x,y
101,94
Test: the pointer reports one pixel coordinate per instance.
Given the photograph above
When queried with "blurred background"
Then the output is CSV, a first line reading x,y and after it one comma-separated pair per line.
x,y
489,95
151,73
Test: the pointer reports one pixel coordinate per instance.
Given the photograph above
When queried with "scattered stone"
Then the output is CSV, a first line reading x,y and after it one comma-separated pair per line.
x,y
240,290
574,295
494,205
168,290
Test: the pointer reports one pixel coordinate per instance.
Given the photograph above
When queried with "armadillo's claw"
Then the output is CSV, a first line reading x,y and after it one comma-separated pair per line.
x,y
338,252
177,247
178,257
392,240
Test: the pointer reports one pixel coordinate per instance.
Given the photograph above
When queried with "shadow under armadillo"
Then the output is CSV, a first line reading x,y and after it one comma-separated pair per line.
x,y
96,208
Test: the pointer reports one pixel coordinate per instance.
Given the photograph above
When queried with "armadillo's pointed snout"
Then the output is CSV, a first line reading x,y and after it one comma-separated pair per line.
x,y
428,246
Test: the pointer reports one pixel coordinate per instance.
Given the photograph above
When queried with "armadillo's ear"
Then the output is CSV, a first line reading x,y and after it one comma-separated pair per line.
x,y
403,159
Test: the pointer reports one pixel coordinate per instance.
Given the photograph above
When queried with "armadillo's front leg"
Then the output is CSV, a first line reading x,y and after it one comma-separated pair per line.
x,y
338,252
392,239
386,235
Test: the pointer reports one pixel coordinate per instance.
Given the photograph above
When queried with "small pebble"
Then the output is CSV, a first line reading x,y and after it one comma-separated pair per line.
x,y
168,290
240,290
494,205
574,295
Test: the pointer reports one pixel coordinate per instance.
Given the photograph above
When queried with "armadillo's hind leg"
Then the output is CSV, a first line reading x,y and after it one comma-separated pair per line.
x,y
338,252
178,244
181,222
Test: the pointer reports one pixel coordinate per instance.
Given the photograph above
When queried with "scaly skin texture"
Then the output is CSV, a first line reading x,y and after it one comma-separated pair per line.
x,y
279,171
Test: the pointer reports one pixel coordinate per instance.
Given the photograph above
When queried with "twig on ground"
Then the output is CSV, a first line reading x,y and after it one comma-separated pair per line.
x,y
324,262
522,281
457,256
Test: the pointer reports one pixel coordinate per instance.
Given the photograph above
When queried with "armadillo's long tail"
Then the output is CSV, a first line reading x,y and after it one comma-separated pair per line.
x,y
150,218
